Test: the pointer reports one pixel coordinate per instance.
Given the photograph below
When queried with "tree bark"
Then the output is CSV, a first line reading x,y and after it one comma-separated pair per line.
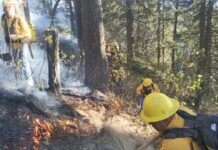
x,y
94,45
77,5
175,35
201,59
52,45
208,40
129,30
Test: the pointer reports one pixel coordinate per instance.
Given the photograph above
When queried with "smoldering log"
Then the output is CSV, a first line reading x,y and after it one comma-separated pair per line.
x,y
45,104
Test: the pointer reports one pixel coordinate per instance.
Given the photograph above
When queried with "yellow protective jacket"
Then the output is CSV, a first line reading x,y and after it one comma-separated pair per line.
x,y
178,143
17,26
139,90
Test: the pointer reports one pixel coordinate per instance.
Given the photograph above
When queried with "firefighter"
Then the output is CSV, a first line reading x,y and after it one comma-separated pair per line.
x,y
145,88
17,33
161,112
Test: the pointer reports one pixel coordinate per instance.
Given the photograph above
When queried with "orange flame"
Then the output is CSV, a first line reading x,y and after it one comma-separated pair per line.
x,y
42,130
69,126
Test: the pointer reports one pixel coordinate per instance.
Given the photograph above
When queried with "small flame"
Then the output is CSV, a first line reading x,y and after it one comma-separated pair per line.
x,y
42,131
70,126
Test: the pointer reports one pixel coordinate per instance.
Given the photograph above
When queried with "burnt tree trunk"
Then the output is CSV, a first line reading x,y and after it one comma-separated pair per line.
x,y
52,45
26,10
175,36
129,30
94,45
77,5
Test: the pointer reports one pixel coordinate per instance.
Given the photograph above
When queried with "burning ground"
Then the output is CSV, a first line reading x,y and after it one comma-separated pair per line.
x,y
30,122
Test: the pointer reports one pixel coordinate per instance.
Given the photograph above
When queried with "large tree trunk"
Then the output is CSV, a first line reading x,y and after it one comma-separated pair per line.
x,y
129,30
175,35
94,44
52,44
201,59
77,5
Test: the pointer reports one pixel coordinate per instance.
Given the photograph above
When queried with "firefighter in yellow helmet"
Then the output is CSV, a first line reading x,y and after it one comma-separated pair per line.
x,y
16,32
144,89
161,112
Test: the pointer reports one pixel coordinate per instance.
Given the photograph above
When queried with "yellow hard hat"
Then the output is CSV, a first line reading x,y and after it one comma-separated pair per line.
x,y
147,82
9,3
157,106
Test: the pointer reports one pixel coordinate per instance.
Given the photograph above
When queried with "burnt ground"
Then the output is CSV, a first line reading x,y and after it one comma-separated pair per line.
x,y
15,126
70,130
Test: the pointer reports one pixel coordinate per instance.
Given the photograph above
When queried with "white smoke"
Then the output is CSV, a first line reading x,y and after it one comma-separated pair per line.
x,y
71,78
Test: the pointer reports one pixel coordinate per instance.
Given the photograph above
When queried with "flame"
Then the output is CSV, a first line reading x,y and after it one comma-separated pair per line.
x,y
70,126
42,131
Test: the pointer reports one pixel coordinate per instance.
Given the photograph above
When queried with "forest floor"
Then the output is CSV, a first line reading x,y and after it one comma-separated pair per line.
x,y
82,124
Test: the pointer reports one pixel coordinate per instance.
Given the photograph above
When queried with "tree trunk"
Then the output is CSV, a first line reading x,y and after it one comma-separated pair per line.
x,y
52,46
201,59
54,12
158,34
26,10
77,5
175,36
72,18
163,33
208,40
129,30
94,45
44,3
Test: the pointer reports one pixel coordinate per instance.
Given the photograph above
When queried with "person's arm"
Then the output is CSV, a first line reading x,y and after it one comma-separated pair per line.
x,y
139,90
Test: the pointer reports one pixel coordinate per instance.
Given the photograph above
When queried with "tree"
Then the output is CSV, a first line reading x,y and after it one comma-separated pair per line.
x,y
78,13
94,44
201,60
175,34
72,17
129,30
208,41
158,34
53,12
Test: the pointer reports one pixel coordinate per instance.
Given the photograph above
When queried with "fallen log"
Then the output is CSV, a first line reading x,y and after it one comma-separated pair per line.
x,y
47,105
